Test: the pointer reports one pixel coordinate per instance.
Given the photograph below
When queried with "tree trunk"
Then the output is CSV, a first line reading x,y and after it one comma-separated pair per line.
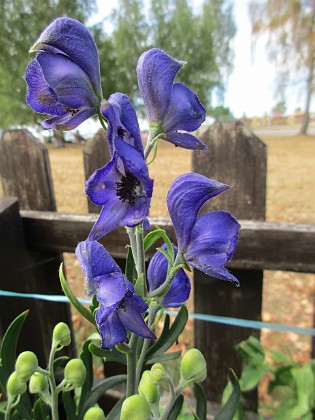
x,y
309,91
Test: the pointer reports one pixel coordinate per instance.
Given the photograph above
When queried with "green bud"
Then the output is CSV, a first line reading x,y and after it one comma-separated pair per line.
x,y
61,335
193,366
38,383
135,407
75,373
147,388
94,413
157,373
25,365
15,386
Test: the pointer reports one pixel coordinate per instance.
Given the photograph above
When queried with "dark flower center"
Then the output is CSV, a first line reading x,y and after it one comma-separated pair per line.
x,y
71,110
129,188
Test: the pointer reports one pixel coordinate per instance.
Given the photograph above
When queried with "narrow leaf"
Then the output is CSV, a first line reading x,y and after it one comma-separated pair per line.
x,y
114,413
69,406
176,408
112,355
68,292
130,266
152,237
201,402
87,359
165,357
229,409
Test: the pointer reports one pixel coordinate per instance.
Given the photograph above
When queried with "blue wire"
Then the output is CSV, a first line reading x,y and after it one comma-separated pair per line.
x,y
237,322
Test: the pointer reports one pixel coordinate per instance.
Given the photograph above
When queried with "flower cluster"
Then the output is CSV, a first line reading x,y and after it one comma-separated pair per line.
x,y
63,80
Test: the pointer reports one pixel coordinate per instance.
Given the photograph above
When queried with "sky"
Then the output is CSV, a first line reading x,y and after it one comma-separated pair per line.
x,y
251,85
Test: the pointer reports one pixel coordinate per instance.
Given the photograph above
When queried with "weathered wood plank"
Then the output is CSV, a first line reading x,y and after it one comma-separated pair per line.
x,y
262,245
238,158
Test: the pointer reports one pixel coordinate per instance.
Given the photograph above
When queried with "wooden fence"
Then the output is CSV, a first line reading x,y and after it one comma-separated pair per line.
x,y
33,237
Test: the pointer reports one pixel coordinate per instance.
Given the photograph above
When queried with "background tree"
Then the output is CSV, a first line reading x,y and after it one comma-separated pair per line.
x,y
21,24
279,108
290,25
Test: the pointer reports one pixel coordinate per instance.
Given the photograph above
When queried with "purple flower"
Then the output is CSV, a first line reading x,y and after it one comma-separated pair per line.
x,y
63,80
180,287
120,307
171,107
123,188
208,241
122,121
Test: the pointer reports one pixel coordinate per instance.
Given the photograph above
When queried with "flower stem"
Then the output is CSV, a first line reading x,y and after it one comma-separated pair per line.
x,y
131,366
101,119
141,258
52,384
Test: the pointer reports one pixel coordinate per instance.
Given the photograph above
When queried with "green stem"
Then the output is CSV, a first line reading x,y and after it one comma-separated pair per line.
x,y
131,366
8,409
172,399
133,243
141,257
101,119
52,385
154,134
153,309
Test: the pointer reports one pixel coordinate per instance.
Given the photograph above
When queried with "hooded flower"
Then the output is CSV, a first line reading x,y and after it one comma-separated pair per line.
x,y
207,241
63,80
122,121
171,107
120,307
180,287
123,188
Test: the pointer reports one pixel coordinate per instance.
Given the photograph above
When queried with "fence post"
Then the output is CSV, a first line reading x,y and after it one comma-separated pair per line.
x,y
238,158
25,173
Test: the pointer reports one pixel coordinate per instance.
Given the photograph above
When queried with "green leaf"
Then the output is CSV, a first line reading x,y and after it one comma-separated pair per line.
x,y
152,237
167,339
176,408
67,398
41,410
60,361
68,292
87,359
99,390
139,286
130,269
166,255
251,376
114,413
201,402
230,407
251,350
111,355
8,349
165,357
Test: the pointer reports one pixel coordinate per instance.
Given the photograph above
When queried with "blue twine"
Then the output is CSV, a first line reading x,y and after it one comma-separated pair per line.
x,y
237,322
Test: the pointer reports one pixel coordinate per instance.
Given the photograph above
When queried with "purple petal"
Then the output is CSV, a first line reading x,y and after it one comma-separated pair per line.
x,y
68,121
110,327
71,38
122,119
71,85
95,261
213,238
219,273
179,291
132,319
39,96
109,219
156,72
112,289
185,111
157,270
184,200
185,140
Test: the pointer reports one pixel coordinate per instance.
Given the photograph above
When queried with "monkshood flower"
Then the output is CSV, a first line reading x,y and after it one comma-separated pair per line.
x,y
171,107
180,287
63,80
122,121
123,188
208,241
120,308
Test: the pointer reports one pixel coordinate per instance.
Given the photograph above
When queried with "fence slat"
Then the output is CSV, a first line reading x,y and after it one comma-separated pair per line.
x,y
238,158
25,173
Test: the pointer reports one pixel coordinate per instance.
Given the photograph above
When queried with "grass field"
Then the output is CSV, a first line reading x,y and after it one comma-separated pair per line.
x,y
288,297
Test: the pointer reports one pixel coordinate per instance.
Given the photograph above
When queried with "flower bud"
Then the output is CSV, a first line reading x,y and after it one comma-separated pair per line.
x,y
94,413
15,386
193,366
38,383
61,335
135,407
25,365
157,373
147,388
75,373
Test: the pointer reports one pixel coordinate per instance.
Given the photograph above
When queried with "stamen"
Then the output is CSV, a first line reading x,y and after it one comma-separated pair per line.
x,y
128,188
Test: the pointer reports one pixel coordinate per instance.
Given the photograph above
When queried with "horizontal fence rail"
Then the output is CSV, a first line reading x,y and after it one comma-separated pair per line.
x,y
262,245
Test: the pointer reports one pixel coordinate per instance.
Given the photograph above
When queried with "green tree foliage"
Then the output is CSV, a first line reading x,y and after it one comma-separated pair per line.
x,y
21,23
290,25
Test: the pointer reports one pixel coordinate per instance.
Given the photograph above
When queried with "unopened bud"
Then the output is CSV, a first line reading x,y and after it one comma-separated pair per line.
x,y
26,364
61,335
193,366
75,373
157,373
94,413
15,386
38,383
147,388
135,407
